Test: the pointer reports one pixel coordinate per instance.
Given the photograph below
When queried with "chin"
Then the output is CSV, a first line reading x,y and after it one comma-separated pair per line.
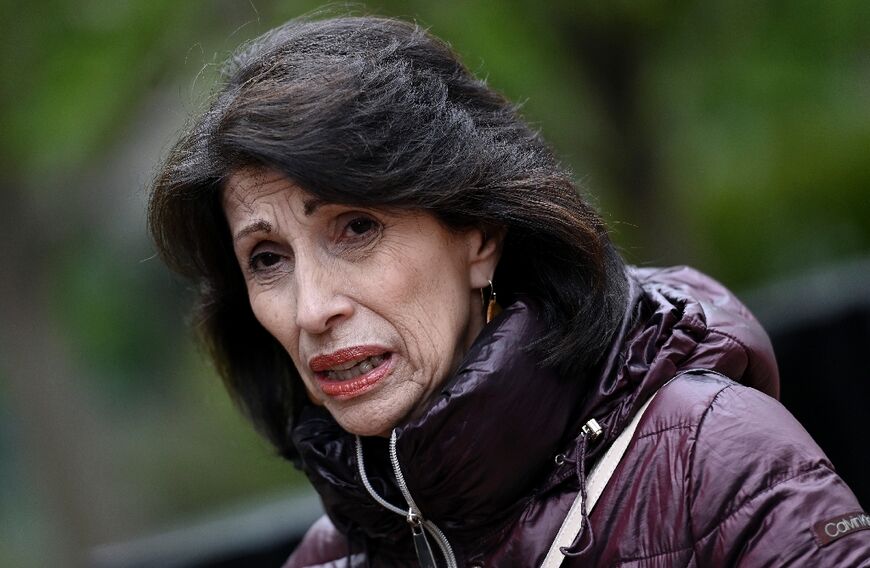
x,y
364,421
367,429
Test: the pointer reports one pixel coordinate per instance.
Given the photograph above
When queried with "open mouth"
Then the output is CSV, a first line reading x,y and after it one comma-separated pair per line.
x,y
351,372
365,366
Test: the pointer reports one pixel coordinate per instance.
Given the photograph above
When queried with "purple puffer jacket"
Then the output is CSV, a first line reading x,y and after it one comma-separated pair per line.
x,y
718,472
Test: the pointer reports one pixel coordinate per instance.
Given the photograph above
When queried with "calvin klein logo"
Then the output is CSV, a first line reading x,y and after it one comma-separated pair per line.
x,y
838,527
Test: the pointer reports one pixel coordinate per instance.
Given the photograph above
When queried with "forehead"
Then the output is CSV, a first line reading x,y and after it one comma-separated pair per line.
x,y
245,188
252,191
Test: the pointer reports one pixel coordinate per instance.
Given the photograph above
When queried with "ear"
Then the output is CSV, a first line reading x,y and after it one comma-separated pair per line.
x,y
484,253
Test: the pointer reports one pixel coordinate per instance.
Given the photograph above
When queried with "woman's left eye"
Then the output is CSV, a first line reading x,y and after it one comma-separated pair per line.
x,y
360,226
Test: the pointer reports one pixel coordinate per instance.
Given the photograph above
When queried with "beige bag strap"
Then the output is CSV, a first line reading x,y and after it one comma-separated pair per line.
x,y
595,484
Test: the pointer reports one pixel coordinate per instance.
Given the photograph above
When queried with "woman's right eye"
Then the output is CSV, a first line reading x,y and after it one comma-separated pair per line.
x,y
263,261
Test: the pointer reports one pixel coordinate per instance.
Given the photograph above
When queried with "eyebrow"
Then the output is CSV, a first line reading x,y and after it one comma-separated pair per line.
x,y
255,227
309,206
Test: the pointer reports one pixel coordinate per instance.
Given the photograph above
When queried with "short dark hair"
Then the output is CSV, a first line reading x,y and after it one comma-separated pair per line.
x,y
377,112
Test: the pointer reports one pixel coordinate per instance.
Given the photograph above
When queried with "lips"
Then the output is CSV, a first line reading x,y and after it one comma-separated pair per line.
x,y
351,372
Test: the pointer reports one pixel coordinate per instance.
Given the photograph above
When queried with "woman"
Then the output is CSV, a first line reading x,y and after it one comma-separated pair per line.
x,y
350,206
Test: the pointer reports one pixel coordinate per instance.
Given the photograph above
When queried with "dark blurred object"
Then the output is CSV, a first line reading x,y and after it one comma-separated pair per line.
x,y
820,328
262,535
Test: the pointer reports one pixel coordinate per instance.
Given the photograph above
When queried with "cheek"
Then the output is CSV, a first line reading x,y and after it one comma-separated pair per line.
x,y
270,311
431,313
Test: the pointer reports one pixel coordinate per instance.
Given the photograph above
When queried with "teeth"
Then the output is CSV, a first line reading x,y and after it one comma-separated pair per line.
x,y
360,368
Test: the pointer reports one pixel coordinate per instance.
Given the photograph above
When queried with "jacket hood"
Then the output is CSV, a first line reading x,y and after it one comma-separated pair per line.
x,y
677,319
490,436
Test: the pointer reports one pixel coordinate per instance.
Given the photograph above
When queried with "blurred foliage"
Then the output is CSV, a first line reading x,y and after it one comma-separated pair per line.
x,y
729,135
77,68
116,337
770,126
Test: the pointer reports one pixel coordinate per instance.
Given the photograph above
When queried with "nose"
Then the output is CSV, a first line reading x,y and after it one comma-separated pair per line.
x,y
321,301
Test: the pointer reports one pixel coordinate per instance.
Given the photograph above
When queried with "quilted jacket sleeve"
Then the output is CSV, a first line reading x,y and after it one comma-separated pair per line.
x,y
762,493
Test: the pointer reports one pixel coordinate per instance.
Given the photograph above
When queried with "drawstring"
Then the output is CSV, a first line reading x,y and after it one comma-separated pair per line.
x,y
580,469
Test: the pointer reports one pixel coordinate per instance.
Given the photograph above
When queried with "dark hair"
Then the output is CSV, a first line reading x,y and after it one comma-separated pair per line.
x,y
377,112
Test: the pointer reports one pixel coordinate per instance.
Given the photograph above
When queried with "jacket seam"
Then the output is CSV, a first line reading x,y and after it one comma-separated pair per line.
x,y
804,471
739,342
666,429
690,477
625,559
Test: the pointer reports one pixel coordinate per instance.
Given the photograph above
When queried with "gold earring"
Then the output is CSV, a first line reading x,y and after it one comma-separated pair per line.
x,y
492,308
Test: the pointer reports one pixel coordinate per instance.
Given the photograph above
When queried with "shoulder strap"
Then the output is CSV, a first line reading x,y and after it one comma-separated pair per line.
x,y
595,484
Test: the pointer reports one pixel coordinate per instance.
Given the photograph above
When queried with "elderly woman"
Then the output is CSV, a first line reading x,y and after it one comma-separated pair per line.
x,y
353,207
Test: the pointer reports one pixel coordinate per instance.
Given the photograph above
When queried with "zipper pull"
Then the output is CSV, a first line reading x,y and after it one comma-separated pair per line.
x,y
421,543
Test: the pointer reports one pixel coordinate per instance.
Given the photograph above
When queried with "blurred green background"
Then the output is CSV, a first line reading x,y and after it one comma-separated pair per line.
x,y
731,135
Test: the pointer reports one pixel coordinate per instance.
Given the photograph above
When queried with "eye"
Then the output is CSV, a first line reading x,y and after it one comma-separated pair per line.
x,y
263,261
360,226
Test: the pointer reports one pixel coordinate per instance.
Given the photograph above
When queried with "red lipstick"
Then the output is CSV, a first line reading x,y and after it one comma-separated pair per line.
x,y
322,363
342,361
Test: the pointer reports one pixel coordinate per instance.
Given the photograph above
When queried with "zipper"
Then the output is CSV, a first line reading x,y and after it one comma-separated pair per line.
x,y
419,525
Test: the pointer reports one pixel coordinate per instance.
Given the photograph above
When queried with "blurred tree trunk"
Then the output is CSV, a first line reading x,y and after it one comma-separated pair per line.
x,y
612,54
57,432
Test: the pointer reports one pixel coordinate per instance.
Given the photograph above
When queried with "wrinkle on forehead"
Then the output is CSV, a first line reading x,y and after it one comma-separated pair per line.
x,y
247,185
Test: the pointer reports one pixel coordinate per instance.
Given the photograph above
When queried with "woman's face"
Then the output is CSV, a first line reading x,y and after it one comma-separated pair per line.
x,y
375,308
